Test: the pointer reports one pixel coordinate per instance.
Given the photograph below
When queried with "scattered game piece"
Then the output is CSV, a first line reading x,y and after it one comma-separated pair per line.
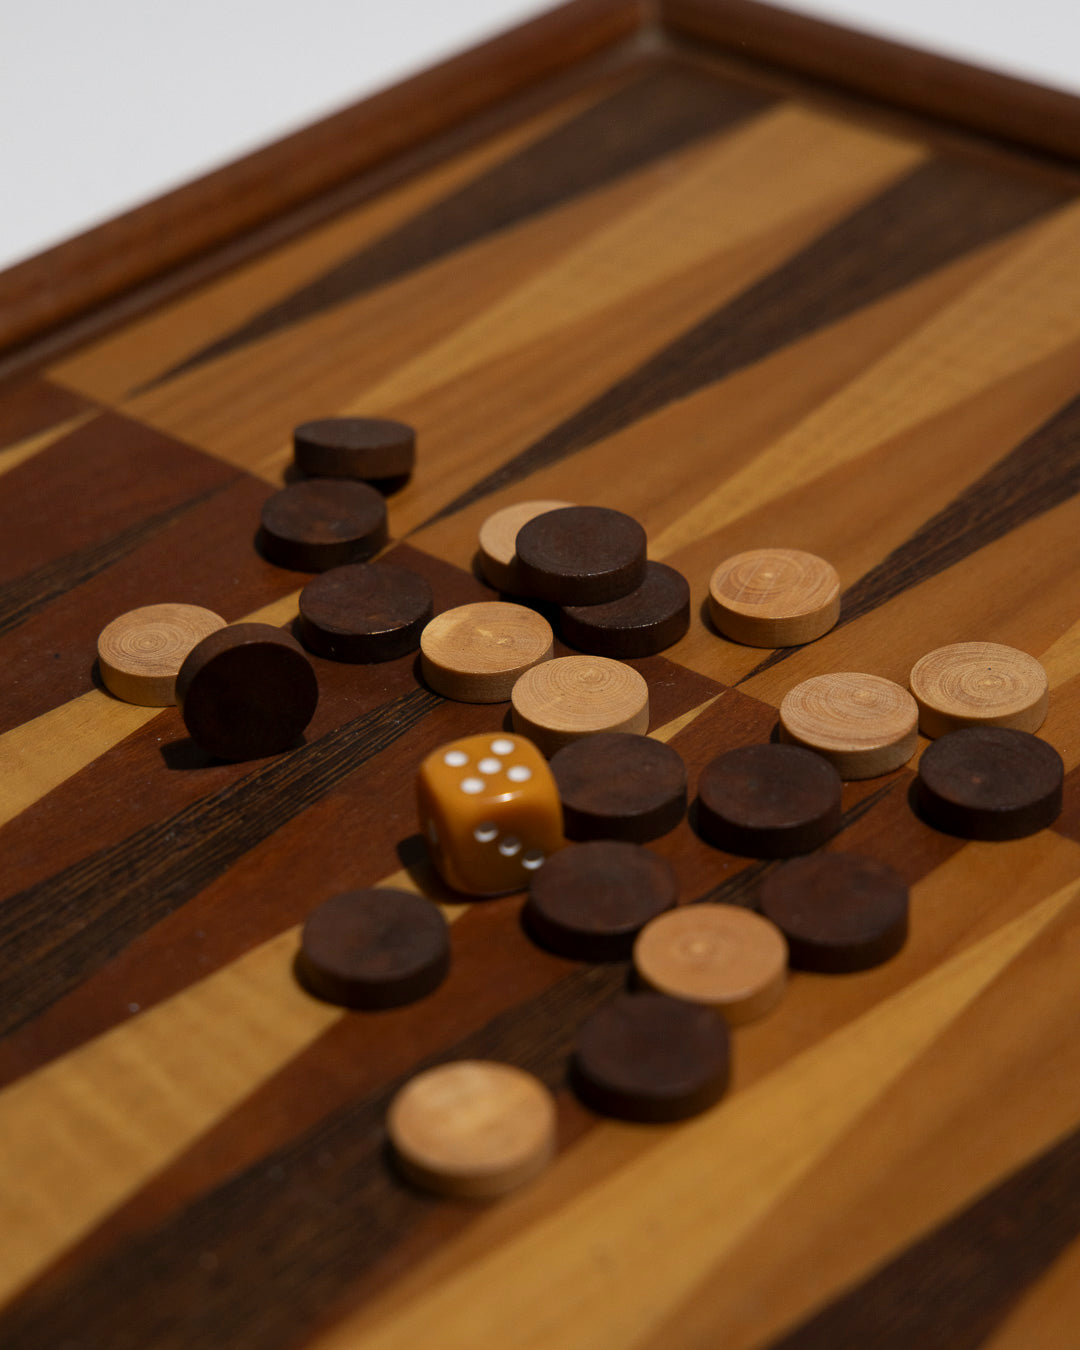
x,y
863,724
581,555
497,552
245,691
140,652
472,1129
653,1058
375,948
774,597
364,612
990,783
727,957
618,786
769,801
321,523
476,653
839,911
573,696
979,684
591,900
371,448
490,812
650,618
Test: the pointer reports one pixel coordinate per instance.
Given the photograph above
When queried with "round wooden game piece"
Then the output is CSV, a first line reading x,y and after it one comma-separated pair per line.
x,y
364,612
769,801
727,957
375,948
573,696
990,783
653,1058
140,652
650,618
618,786
979,684
590,901
581,555
863,724
472,1128
372,448
497,543
838,911
321,523
774,597
246,690
476,653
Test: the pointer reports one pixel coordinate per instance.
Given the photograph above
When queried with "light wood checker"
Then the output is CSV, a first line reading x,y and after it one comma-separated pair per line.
x,y
750,313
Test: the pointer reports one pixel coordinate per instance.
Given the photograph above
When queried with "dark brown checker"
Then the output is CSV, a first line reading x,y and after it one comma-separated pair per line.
x,y
321,523
839,911
650,1057
377,948
990,783
581,555
619,786
364,612
769,801
245,691
654,616
591,900
369,448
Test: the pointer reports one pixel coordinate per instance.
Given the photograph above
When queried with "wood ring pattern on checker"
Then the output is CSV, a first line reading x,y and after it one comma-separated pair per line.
x,y
774,597
573,696
581,555
864,725
979,684
472,1128
497,542
140,653
476,653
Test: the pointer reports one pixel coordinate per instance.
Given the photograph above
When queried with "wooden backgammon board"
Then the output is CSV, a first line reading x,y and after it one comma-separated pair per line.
x,y
750,280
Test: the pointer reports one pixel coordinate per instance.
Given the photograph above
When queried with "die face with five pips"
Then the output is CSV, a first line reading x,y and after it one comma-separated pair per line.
x,y
490,812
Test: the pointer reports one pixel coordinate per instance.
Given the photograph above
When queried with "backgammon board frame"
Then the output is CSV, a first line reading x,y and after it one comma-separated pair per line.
x,y
809,288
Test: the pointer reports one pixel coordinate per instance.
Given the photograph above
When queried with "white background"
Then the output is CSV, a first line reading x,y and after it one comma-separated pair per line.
x,y
107,103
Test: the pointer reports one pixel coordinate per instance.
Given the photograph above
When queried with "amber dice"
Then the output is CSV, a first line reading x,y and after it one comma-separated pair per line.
x,y
490,812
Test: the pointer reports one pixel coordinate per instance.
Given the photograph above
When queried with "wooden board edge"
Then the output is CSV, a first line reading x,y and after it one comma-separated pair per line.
x,y
985,101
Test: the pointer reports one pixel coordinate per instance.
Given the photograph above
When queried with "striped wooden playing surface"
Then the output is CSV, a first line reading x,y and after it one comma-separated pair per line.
x,y
747,311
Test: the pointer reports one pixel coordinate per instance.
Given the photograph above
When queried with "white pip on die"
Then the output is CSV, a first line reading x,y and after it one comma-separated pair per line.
x,y
490,812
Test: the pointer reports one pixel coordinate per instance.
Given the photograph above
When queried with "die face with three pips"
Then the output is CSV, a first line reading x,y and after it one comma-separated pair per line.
x,y
489,811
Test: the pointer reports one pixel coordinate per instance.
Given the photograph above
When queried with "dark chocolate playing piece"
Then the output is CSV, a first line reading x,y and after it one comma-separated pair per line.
x,y
371,448
589,901
839,911
651,1057
246,690
581,555
769,801
375,948
990,783
321,523
619,786
364,612
642,623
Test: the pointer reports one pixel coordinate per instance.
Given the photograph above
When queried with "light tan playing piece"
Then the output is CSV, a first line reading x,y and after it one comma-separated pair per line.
x,y
863,724
473,1128
140,652
575,696
497,556
728,957
477,652
774,597
969,684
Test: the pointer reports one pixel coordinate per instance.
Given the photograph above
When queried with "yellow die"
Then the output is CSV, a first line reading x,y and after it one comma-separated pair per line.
x,y
490,812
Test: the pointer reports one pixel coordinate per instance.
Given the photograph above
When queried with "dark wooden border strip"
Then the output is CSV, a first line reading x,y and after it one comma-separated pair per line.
x,y
56,285
982,100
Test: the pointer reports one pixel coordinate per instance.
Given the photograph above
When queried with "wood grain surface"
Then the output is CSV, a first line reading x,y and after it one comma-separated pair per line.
x,y
750,314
